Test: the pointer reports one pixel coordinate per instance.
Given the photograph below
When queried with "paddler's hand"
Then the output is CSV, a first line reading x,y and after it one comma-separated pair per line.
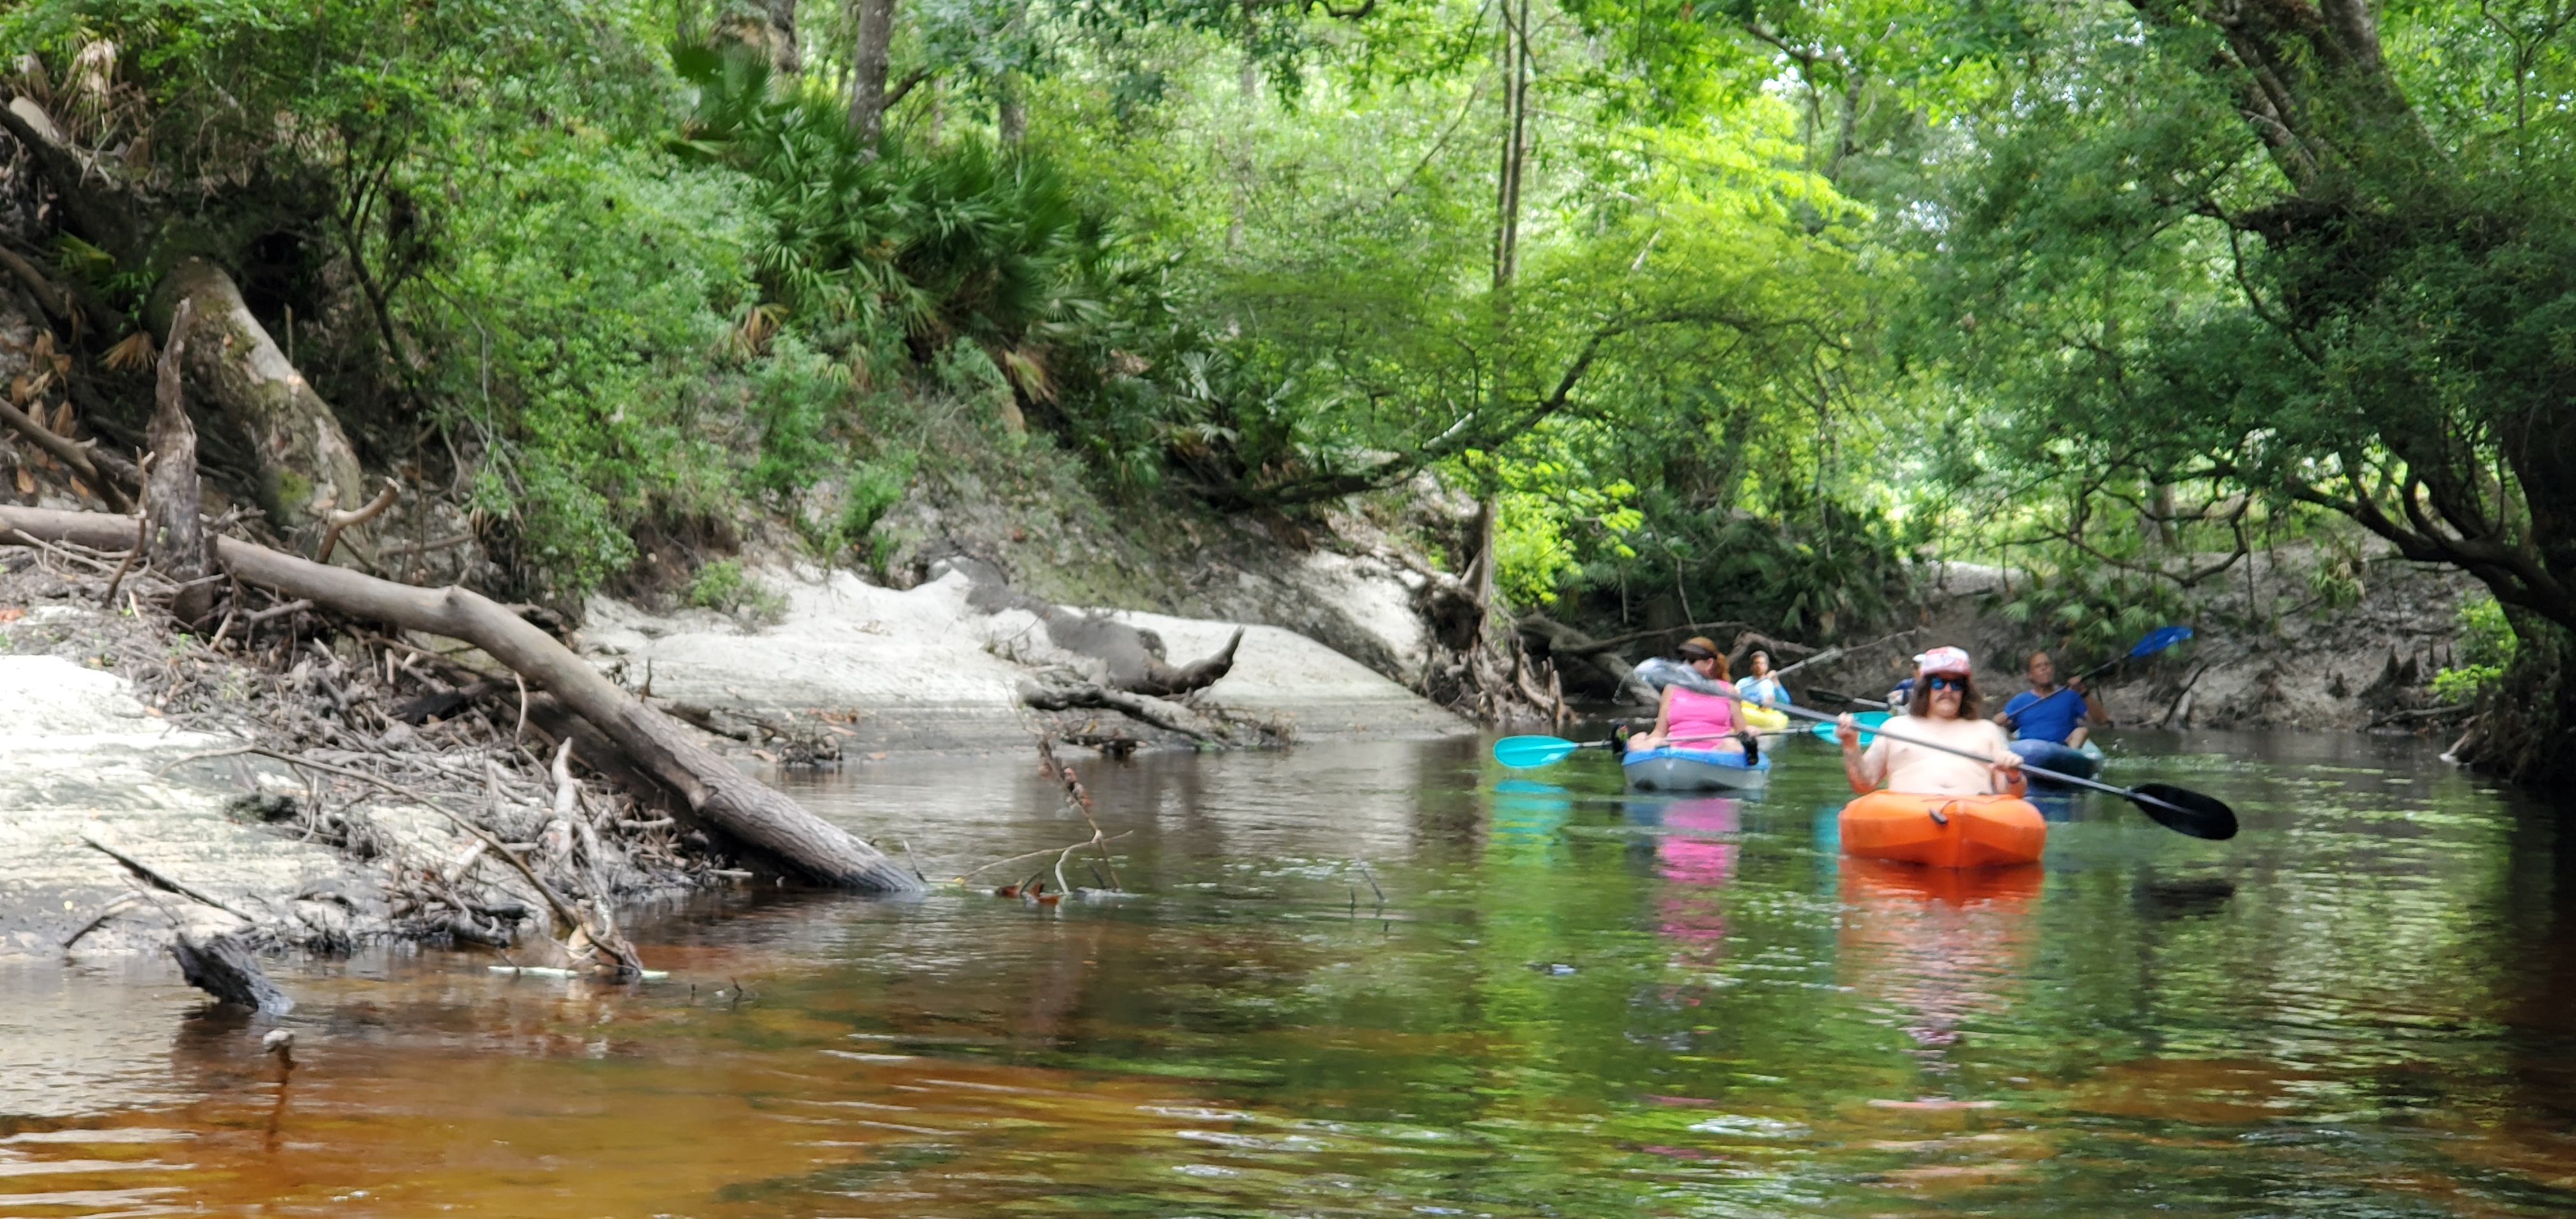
x,y
2008,769
1847,730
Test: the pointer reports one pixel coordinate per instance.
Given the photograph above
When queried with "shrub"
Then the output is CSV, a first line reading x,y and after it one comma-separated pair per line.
x,y
2486,649
724,587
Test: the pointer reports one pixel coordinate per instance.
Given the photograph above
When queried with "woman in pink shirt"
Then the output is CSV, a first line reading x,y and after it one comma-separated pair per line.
x,y
1688,719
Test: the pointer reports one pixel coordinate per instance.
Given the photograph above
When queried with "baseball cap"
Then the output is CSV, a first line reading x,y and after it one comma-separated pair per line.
x,y
1943,660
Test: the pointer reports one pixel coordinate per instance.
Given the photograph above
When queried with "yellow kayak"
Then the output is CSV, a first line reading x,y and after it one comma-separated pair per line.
x,y
1765,719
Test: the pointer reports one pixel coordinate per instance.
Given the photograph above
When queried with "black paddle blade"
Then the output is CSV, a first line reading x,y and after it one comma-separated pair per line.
x,y
2185,811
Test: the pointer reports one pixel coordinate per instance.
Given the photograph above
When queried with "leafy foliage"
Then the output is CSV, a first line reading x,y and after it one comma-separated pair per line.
x,y
962,242
2487,647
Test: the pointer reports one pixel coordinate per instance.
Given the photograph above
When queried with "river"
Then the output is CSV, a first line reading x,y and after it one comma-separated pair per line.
x,y
1565,1002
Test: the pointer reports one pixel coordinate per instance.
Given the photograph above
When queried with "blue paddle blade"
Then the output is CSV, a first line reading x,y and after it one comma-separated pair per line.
x,y
1525,751
2161,638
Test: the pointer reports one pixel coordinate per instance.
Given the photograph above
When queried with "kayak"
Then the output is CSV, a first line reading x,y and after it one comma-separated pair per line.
x,y
1693,770
1943,831
1765,719
1868,720
2083,762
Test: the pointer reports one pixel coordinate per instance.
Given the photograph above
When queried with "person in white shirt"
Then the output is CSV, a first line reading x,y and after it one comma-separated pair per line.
x,y
1761,687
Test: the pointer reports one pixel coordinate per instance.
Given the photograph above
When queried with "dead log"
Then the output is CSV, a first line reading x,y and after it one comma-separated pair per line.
x,y
1601,655
176,537
1171,717
1748,640
222,966
1132,657
1163,681
67,452
54,301
724,798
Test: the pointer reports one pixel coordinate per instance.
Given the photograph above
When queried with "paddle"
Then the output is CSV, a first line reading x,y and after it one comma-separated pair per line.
x,y
2178,809
2156,641
1523,752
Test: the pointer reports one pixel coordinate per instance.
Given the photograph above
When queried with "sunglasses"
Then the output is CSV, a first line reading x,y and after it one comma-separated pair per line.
x,y
1946,683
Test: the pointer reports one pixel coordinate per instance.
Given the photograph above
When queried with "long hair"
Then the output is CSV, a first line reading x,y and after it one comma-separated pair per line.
x,y
1696,648
1921,702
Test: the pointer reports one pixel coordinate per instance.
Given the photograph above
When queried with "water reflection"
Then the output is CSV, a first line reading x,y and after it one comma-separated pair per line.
x,y
1696,858
1935,949
1570,1001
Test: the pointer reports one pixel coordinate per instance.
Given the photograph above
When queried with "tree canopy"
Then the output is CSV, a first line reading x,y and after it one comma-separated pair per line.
x,y
1726,309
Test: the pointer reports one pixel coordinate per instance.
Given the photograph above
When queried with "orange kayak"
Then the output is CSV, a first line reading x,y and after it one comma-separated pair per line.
x,y
1943,831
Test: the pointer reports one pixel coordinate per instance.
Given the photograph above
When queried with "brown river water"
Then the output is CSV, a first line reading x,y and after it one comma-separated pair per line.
x,y
1568,1001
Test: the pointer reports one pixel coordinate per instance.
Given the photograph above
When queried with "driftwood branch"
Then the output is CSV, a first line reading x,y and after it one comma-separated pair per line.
x,y
255,617
1171,717
721,796
222,966
67,452
588,934
1163,681
1829,655
175,539
145,874
961,877
56,301
1591,646
349,520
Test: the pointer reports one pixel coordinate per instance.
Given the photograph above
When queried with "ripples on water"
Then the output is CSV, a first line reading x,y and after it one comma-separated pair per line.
x,y
1569,1002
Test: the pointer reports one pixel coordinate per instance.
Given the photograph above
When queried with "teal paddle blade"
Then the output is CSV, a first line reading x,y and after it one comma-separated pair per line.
x,y
1866,721
1525,751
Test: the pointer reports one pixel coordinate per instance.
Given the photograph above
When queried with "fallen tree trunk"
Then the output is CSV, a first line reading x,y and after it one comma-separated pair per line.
x,y
223,966
1163,681
1603,656
1170,717
722,797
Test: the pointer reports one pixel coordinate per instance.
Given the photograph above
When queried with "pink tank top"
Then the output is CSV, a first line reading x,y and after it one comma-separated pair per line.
x,y
1693,714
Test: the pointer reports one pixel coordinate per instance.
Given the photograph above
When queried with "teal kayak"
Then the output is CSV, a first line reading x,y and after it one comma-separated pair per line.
x,y
1868,720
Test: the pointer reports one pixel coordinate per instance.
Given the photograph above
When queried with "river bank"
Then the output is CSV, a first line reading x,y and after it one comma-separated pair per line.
x,y
300,781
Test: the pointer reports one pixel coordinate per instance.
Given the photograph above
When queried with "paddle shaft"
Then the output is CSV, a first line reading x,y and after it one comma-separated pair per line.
x,y
2033,771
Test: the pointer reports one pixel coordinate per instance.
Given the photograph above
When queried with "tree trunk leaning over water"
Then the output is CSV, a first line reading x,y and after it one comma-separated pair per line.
x,y
720,795
306,465
177,538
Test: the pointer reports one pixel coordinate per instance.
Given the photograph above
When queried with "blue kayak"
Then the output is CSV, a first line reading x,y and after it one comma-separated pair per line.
x,y
2083,763
1693,770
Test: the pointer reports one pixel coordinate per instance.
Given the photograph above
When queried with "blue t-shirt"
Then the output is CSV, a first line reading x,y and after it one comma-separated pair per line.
x,y
2050,718
1762,690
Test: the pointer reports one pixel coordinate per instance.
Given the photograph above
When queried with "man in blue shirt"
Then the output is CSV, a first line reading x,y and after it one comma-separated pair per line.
x,y
2048,711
